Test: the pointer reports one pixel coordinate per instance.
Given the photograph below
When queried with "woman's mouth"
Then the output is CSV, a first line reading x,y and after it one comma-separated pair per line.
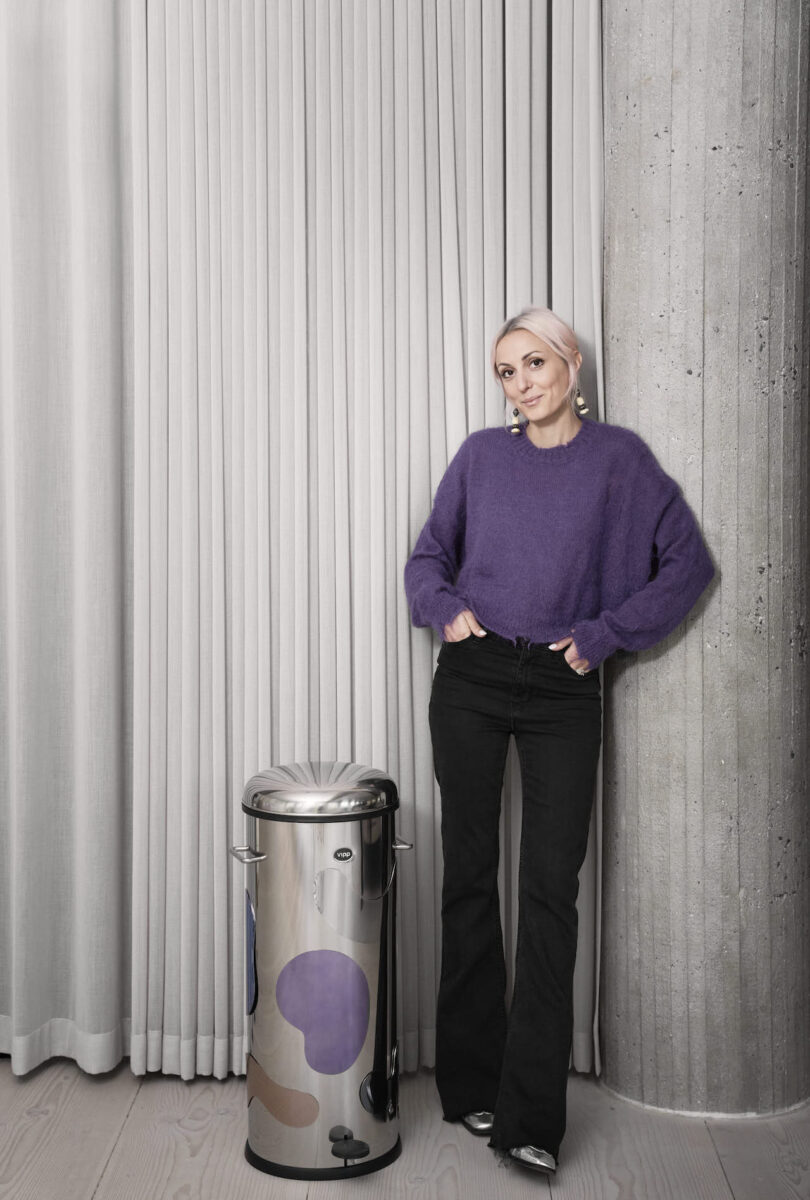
x,y
532,400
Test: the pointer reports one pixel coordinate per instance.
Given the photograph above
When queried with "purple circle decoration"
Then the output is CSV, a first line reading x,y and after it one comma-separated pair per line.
x,y
325,994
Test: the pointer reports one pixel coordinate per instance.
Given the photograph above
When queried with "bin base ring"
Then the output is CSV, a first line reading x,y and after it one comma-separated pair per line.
x,y
360,1168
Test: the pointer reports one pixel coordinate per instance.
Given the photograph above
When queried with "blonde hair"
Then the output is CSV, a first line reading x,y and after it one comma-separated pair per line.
x,y
547,326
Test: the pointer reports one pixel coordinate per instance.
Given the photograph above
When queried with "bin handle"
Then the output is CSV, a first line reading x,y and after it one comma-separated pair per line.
x,y
247,855
397,844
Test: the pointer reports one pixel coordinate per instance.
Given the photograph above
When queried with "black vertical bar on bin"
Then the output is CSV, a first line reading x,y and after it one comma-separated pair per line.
x,y
381,1092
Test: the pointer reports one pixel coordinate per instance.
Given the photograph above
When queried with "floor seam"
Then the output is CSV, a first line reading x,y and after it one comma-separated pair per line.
x,y
114,1146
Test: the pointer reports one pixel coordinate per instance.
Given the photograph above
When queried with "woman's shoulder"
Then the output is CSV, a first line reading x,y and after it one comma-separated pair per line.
x,y
489,435
627,448
484,442
621,437
633,462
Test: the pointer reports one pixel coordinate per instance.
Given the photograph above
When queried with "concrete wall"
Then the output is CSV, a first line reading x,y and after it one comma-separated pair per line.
x,y
706,928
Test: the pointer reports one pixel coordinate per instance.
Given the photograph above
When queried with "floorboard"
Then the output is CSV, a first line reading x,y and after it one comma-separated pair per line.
x,y
69,1136
187,1140
58,1128
614,1150
765,1158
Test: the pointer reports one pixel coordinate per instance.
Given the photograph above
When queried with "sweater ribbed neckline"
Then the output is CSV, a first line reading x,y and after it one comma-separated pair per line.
x,y
563,453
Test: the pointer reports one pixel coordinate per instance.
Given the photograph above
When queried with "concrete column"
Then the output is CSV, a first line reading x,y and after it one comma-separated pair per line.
x,y
705,999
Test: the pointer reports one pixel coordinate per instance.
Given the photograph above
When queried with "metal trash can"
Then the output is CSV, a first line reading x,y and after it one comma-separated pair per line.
x,y
322,1073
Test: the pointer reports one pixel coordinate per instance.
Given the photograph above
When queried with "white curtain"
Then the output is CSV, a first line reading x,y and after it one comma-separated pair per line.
x,y
325,211
65,570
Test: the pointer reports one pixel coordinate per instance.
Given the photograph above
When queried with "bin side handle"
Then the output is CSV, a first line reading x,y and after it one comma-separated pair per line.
x,y
246,854
397,844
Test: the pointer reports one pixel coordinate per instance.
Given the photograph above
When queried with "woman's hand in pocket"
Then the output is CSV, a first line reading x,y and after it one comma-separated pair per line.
x,y
463,626
572,655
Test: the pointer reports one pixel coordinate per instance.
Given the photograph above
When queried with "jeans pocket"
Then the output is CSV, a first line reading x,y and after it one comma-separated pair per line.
x,y
454,647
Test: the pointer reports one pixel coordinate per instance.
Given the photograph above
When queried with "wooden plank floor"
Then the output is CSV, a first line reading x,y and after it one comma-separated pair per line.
x,y
69,1136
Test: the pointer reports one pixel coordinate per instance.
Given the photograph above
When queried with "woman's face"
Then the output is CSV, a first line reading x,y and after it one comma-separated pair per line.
x,y
534,377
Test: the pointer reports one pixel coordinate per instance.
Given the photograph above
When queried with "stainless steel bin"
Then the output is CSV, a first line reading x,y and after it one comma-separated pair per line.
x,y
322,1076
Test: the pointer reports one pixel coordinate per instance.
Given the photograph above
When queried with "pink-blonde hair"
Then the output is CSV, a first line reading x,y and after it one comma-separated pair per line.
x,y
547,326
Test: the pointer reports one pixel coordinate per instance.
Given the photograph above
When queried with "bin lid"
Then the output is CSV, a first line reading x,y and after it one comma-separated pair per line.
x,y
319,791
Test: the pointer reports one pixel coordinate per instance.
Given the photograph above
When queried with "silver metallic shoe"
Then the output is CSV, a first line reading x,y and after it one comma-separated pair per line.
x,y
531,1156
479,1123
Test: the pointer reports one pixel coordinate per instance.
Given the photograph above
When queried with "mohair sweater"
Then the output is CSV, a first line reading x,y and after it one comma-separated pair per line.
x,y
590,539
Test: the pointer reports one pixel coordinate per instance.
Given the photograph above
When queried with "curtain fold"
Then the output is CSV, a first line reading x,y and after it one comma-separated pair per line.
x,y
65,640
324,212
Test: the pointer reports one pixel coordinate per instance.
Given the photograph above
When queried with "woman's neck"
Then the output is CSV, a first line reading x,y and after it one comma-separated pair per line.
x,y
546,436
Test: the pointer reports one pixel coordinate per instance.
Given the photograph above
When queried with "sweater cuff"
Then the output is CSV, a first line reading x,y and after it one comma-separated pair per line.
x,y
447,609
593,642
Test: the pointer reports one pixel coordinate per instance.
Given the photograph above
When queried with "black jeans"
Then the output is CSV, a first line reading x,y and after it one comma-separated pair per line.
x,y
484,690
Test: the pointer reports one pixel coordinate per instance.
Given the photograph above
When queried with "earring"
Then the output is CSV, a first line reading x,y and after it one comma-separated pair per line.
x,y
581,405
515,426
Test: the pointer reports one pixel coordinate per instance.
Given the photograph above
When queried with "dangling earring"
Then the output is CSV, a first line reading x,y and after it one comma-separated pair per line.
x,y
515,426
581,405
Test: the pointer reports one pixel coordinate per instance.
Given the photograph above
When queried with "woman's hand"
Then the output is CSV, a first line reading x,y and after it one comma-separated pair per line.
x,y
462,627
572,655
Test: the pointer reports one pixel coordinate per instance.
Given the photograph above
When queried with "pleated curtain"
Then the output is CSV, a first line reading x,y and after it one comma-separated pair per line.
x,y
65,561
320,214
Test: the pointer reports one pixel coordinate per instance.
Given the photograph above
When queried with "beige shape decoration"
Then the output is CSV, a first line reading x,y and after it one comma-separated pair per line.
x,y
288,1106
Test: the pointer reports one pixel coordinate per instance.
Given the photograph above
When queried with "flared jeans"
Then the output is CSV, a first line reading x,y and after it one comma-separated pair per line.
x,y
513,1064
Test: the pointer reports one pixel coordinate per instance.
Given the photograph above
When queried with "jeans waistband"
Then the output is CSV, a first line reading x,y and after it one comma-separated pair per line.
x,y
520,643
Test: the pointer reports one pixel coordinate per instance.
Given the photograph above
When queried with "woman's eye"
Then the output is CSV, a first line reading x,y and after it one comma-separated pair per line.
x,y
536,362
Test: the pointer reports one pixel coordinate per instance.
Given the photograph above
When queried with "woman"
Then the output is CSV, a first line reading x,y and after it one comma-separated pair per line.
x,y
551,544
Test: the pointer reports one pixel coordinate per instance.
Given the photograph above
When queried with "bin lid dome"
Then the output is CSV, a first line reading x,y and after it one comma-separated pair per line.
x,y
319,791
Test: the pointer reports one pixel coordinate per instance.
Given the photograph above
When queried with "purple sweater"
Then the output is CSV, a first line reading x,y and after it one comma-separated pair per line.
x,y
591,539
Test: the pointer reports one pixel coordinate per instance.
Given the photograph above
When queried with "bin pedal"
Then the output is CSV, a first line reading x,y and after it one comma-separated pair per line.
x,y
345,1145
